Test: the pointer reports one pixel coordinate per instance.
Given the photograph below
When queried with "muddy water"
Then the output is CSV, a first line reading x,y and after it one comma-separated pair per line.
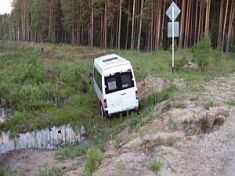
x,y
50,138
3,115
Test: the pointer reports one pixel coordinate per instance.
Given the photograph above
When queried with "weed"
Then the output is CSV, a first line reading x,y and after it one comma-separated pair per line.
x,y
158,97
13,134
47,171
218,55
180,105
194,98
94,159
209,105
167,107
155,165
160,141
231,103
170,141
180,63
71,151
2,172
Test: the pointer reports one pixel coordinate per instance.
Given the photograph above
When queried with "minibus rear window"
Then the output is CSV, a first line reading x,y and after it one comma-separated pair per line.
x,y
118,81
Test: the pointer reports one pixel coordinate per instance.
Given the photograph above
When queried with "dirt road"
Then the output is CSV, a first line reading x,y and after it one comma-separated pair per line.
x,y
229,169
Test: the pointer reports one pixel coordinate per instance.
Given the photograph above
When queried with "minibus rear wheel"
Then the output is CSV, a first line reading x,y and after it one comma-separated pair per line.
x,y
102,113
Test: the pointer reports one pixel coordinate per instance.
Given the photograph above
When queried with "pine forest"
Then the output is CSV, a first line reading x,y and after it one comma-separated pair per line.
x,y
120,24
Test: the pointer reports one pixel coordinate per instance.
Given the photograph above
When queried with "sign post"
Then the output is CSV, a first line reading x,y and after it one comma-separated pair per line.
x,y
173,28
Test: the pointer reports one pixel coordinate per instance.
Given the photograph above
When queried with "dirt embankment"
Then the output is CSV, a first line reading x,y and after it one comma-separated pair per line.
x,y
189,140
193,137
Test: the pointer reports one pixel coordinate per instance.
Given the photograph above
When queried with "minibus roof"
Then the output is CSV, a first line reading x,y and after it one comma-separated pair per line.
x,y
108,61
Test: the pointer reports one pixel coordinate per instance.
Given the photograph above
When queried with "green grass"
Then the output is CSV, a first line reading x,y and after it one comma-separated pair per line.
x,y
231,103
209,105
170,141
167,142
54,87
155,165
94,159
71,151
160,141
48,171
2,173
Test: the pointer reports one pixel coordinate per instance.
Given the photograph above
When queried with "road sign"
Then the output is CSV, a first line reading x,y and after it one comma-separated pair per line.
x,y
173,11
173,29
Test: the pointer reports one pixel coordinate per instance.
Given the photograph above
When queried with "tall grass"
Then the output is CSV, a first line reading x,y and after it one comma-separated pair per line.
x,y
54,87
94,159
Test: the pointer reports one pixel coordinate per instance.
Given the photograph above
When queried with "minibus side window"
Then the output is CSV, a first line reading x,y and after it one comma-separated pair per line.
x,y
98,79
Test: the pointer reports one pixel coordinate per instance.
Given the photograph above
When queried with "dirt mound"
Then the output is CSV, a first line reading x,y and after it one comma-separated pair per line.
x,y
126,164
151,84
191,122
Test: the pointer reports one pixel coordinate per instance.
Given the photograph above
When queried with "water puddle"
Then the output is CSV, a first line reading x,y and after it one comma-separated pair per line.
x,y
3,115
50,138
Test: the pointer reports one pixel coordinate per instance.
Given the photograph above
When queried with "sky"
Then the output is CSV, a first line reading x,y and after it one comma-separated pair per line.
x,y
5,6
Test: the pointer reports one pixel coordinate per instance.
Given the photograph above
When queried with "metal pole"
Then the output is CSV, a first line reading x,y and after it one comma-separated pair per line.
x,y
173,45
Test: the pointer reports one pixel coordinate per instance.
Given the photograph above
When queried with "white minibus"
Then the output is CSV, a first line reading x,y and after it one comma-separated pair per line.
x,y
115,85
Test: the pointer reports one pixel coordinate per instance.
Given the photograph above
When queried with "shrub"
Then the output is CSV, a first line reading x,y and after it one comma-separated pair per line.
x,y
218,55
94,159
209,105
202,51
33,71
157,97
170,141
155,165
2,173
159,141
180,63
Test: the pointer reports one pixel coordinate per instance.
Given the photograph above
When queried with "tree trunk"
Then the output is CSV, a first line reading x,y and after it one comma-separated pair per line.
x,y
230,26
220,23
91,24
182,24
105,25
225,22
132,29
140,27
208,5
127,25
120,24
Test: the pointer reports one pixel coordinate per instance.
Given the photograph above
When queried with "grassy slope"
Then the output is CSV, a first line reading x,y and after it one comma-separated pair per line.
x,y
54,86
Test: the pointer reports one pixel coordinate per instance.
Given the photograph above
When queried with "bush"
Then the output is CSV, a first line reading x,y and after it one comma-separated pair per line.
x,y
202,51
159,141
170,141
180,63
155,165
2,173
94,159
157,97
218,55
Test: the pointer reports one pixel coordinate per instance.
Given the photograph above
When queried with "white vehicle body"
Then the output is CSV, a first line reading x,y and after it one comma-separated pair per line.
x,y
115,84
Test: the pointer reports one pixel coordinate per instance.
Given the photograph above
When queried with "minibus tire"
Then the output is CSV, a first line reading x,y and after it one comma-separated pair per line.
x,y
102,113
